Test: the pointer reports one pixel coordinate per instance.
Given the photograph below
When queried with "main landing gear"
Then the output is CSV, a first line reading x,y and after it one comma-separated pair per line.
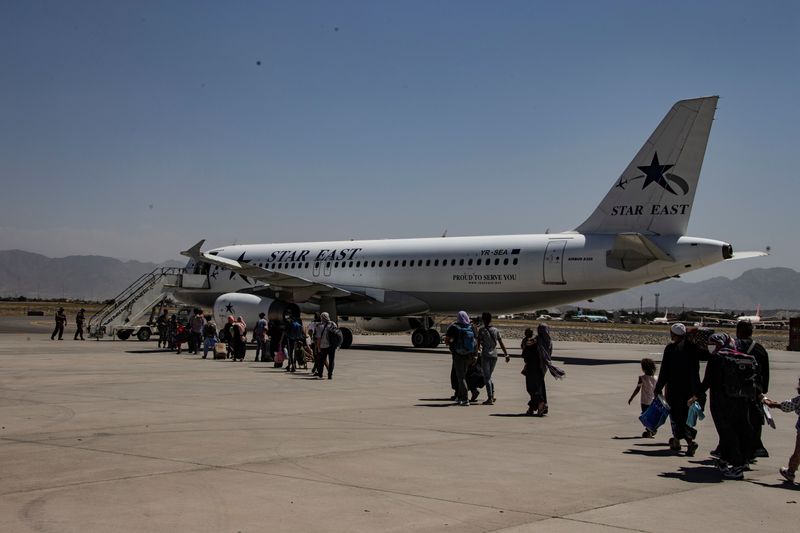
x,y
425,338
347,338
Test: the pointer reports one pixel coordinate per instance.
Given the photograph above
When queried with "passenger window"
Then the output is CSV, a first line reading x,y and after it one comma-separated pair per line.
x,y
479,262
515,261
316,265
350,265
411,264
328,264
336,264
469,262
404,262
436,263
496,262
452,262
292,266
428,263
373,264
280,266
505,261
461,263
358,264
380,263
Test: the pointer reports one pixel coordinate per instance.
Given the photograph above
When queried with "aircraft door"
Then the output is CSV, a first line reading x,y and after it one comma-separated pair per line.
x,y
315,271
553,269
327,269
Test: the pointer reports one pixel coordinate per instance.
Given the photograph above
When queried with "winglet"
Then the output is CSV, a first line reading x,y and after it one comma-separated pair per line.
x,y
194,251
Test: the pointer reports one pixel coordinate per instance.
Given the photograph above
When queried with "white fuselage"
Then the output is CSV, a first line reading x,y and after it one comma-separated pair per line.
x,y
443,275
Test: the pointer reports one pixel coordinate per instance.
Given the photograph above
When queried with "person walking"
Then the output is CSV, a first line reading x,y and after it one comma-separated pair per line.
x,y
488,340
746,344
239,330
537,352
729,409
260,336
196,324
61,321
162,325
79,320
327,344
792,405
646,385
209,337
680,374
460,339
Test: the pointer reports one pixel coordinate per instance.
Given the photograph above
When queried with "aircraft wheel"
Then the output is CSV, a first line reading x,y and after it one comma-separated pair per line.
x,y
419,338
124,334
433,338
143,334
347,338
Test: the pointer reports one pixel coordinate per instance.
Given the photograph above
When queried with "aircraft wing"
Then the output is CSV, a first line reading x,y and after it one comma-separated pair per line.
x,y
303,289
746,255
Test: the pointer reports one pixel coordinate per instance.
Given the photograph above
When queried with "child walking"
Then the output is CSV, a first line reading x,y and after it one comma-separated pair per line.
x,y
787,407
646,385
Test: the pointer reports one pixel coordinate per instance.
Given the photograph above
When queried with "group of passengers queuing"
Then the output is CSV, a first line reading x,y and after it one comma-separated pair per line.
x,y
276,340
474,353
737,380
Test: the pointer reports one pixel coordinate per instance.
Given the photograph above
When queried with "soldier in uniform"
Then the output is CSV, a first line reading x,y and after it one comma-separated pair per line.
x,y
61,321
79,318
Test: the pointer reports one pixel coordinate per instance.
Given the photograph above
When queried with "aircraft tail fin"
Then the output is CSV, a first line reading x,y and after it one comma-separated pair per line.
x,y
654,194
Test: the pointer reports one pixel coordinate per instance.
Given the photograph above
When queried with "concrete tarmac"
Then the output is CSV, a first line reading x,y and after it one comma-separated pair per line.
x,y
117,436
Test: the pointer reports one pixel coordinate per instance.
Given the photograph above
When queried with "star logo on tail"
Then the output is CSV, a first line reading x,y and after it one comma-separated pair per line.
x,y
657,173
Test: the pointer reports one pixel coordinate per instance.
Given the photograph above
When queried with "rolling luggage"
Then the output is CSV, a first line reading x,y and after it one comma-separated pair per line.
x,y
220,350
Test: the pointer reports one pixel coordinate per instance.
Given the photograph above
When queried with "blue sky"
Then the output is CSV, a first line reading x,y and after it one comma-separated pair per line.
x,y
134,129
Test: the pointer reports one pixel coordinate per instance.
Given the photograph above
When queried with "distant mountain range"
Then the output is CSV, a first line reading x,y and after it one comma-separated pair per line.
x,y
94,277
86,277
775,289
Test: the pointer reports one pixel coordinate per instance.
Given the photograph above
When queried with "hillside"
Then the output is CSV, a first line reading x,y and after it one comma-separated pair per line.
x,y
88,277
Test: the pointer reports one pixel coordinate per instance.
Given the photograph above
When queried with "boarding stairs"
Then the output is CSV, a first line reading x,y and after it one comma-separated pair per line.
x,y
143,296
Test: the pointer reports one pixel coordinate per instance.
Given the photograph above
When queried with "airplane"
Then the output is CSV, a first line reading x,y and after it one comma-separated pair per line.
x,y
753,319
636,235
759,321
661,320
590,318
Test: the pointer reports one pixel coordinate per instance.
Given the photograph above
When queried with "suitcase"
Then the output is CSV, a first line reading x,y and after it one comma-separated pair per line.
x,y
220,350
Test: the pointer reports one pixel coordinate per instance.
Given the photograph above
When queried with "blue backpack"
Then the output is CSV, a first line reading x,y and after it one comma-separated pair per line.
x,y
465,342
296,330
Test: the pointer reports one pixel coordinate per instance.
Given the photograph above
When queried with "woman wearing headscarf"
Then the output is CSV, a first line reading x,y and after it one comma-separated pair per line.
x,y
458,338
537,352
238,330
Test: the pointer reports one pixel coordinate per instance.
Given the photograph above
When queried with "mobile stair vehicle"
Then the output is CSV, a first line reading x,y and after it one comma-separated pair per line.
x,y
122,316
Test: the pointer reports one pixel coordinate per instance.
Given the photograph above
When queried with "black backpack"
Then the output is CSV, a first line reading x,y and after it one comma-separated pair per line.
x,y
334,334
740,375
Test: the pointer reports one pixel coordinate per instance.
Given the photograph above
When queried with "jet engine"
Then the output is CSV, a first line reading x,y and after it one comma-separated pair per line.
x,y
249,306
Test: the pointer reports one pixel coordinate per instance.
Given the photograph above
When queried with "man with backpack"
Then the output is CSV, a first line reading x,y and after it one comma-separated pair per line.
x,y
297,338
731,377
746,344
329,338
460,338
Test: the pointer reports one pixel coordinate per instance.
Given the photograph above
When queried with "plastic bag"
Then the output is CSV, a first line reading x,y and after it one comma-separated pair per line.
x,y
655,415
695,414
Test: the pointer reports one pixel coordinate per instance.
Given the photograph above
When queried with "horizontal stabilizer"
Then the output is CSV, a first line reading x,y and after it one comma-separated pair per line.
x,y
746,255
194,251
634,250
